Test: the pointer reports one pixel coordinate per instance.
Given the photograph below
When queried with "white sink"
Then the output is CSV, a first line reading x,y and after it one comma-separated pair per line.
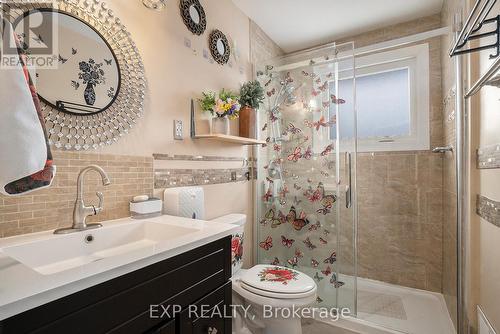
x,y
123,243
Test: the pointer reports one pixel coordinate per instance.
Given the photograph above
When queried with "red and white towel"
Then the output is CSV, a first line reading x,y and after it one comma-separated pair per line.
x,y
25,158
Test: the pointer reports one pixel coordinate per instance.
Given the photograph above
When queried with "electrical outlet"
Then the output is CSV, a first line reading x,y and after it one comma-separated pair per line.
x,y
178,130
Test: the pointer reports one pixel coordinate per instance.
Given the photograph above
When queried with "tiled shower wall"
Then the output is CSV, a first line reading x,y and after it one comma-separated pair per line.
x,y
52,208
400,218
400,193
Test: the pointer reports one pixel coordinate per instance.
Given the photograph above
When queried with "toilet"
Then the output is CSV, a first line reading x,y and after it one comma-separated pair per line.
x,y
266,290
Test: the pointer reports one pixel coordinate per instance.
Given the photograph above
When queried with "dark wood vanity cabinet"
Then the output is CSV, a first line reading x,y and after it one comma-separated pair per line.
x,y
197,283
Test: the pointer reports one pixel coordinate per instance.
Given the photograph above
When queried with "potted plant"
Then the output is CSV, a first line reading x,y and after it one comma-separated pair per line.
x,y
223,107
251,97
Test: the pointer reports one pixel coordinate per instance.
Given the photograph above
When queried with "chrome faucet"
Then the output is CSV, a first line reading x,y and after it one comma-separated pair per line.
x,y
81,211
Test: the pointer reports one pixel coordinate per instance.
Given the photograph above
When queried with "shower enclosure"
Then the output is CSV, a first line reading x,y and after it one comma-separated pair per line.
x,y
306,186
384,259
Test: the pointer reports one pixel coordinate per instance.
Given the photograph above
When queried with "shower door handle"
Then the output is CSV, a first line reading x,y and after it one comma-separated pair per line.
x,y
348,193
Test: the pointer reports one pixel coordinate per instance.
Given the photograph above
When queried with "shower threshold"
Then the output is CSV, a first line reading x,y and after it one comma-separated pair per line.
x,y
389,309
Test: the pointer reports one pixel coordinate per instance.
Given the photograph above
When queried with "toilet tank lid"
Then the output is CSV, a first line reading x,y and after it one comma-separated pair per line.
x,y
234,218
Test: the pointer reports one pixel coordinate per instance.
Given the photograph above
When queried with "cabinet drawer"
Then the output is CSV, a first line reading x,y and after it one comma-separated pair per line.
x,y
122,305
169,328
205,323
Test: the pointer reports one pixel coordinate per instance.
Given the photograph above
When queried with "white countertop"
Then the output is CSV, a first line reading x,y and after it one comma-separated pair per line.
x,y
22,288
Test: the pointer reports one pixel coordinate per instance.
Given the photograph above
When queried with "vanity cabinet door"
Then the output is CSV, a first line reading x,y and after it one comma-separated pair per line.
x,y
168,328
206,318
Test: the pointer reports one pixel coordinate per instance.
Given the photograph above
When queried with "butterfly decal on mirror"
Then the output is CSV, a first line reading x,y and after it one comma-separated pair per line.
x,y
287,242
323,241
275,262
298,221
62,60
266,244
314,263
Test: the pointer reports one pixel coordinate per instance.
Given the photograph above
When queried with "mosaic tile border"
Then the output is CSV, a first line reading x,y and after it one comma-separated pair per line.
x,y
488,210
160,156
172,178
488,157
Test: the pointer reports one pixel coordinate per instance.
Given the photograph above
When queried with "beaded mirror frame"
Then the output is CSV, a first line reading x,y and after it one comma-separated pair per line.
x,y
84,132
216,36
196,28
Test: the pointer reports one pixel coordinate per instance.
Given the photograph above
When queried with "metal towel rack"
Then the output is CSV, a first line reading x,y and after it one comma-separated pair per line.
x,y
471,30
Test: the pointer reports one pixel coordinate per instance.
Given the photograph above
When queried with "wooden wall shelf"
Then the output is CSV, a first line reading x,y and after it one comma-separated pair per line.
x,y
231,139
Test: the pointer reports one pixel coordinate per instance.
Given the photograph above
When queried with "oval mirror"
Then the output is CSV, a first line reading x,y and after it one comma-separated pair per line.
x,y
85,77
221,49
194,14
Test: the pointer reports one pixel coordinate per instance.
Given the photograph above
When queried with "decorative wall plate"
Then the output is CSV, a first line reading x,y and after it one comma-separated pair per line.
x,y
193,15
90,115
219,47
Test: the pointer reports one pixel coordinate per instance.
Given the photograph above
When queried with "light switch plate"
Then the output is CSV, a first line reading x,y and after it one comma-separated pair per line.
x,y
178,130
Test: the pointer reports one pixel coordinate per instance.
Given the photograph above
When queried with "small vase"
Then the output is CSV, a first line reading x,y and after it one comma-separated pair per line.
x,y
89,94
220,125
247,123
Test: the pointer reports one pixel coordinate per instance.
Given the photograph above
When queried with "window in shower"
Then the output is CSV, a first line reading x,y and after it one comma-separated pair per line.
x,y
392,101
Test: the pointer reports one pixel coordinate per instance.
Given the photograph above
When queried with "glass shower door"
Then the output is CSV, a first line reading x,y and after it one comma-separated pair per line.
x,y
306,212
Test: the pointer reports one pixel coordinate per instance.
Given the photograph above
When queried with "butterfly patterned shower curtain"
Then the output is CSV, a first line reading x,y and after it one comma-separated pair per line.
x,y
306,212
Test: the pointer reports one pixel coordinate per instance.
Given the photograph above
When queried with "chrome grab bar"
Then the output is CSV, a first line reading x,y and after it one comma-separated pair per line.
x,y
442,149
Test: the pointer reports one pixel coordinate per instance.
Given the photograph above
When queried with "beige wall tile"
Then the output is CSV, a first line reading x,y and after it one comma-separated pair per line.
x,y
52,208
